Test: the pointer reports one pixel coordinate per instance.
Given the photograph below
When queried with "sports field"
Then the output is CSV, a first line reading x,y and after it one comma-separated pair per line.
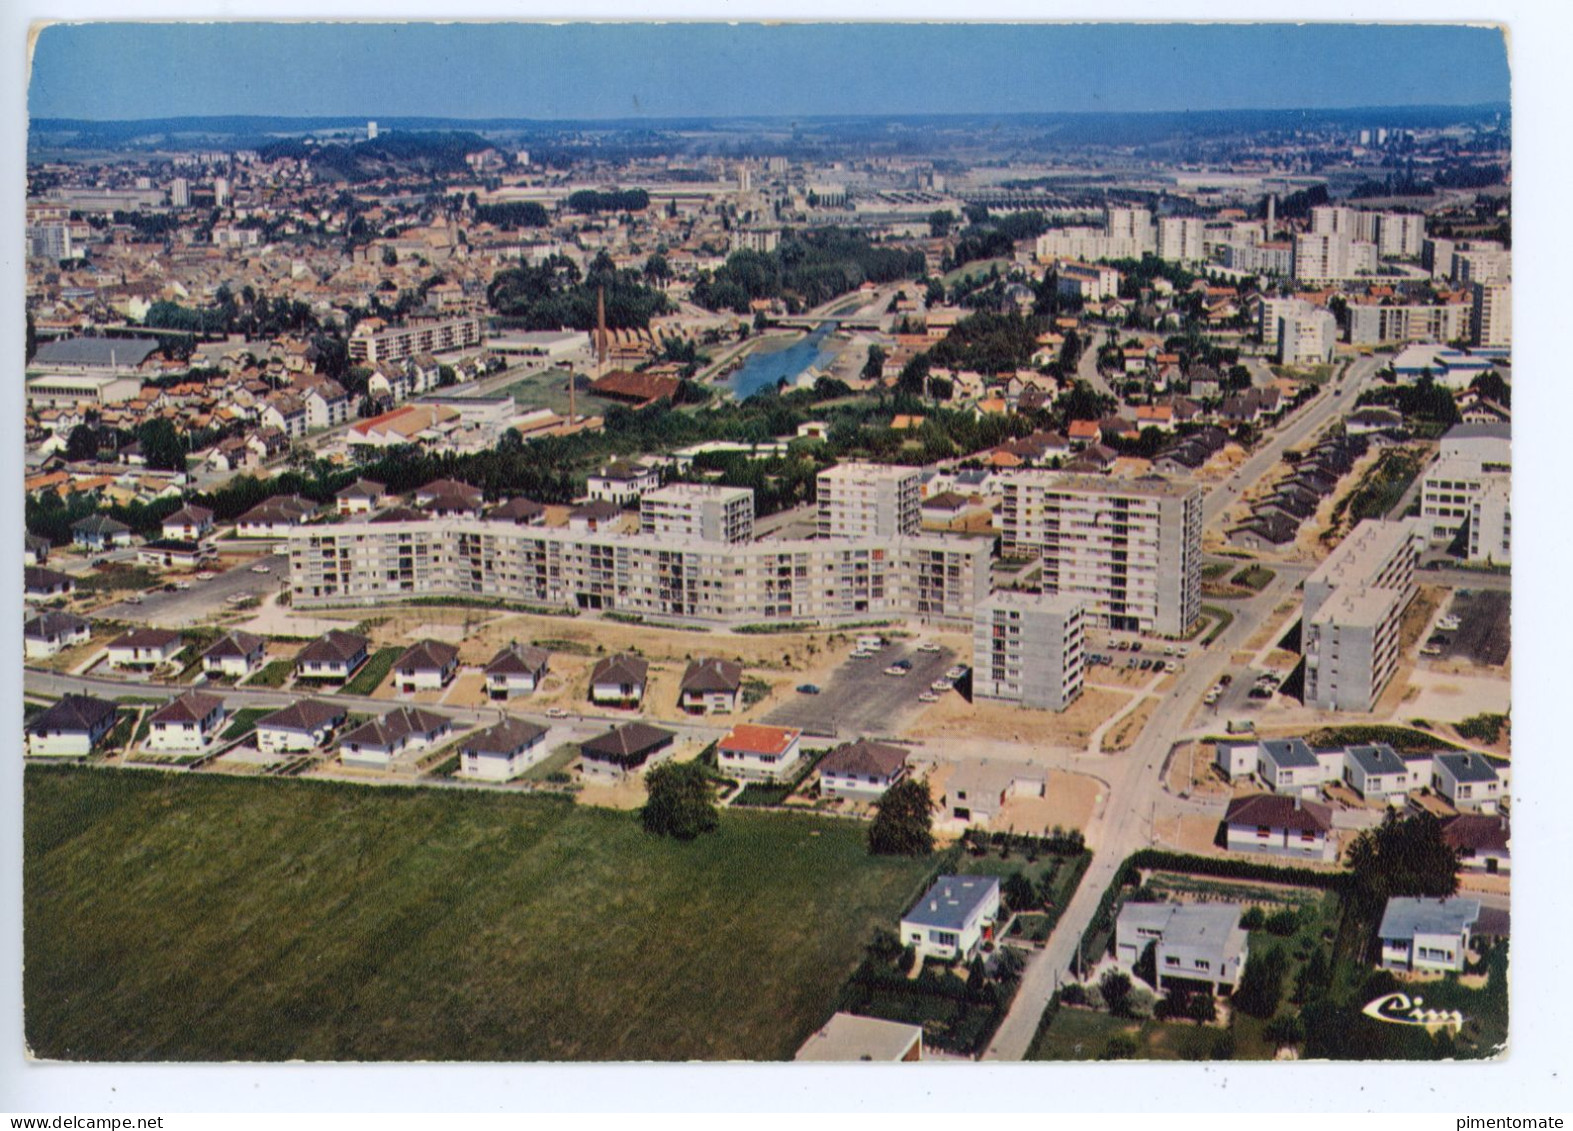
x,y
187,917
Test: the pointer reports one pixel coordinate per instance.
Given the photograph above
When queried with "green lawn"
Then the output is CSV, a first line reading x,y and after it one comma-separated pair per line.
x,y
549,389
175,917
1256,577
556,762
244,721
372,672
273,674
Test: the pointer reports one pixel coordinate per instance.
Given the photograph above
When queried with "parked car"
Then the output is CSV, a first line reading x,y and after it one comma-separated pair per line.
x,y
808,689
556,713
260,567
928,697
896,669
928,646
134,599
940,685
206,576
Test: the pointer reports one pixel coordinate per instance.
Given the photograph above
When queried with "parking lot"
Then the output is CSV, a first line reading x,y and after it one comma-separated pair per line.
x,y
205,599
860,699
1484,628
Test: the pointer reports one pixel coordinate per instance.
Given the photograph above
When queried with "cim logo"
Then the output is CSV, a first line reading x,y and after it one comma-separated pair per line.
x,y
1401,1009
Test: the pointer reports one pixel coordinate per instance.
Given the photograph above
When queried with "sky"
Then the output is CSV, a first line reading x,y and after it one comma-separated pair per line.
x,y
147,70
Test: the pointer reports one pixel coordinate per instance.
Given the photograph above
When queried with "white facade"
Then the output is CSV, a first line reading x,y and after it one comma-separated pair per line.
x,y
1028,649
1491,321
700,511
857,499
1181,239
949,922
186,735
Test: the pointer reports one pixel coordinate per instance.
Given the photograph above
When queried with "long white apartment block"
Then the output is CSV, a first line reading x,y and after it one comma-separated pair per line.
x,y
1132,549
1029,649
373,343
1352,612
702,511
668,578
1472,457
863,500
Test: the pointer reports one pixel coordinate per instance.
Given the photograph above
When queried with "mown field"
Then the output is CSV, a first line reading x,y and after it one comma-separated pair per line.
x,y
175,917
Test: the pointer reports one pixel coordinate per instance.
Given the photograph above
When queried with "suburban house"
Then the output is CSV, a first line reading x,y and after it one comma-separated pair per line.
x,y
188,723
1480,840
862,770
1195,942
46,634
623,482
1277,825
519,511
171,553
759,753
427,665
502,752
305,725
953,917
144,649
42,584
517,669
978,789
1467,781
235,654
848,1037
710,686
70,728
188,524
624,748
361,497
448,498
35,550
1420,933
275,517
332,656
99,532
377,743
1235,759
619,680
1288,765
1377,773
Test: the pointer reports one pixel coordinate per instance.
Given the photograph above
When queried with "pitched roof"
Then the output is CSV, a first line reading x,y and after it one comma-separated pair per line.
x,y
99,524
505,738
72,713
865,758
192,707
518,659
333,646
235,643
624,667
1289,753
1379,758
96,351
395,726
518,509
50,624
627,745
1468,767
190,516
426,655
280,508
752,738
1476,831
711,673
147,638
35,578
363,489
303,714
1275,811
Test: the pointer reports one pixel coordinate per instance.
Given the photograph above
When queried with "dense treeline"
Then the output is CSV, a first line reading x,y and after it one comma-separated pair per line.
x,y
990,342
616,200
552,294
513,214
806,270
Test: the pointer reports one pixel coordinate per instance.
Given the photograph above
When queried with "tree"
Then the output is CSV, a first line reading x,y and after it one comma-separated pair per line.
x,y
82,444
162,446
681,801
1401,856
1283,1031
1018,891
1262,983
390,257
875,365
1491,386
1115,986
904,825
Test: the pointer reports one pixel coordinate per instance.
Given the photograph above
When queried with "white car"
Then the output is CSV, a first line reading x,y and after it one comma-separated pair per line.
x,y
556,713
206,576
928,697
1171,667
928,646
182,585
1448,624
955,673
893,670
134,599
260,569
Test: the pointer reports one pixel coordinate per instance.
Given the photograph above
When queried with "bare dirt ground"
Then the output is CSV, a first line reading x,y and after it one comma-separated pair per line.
x,y
1124,732
954,717
1193,771
1188,832
1274,627
1439,696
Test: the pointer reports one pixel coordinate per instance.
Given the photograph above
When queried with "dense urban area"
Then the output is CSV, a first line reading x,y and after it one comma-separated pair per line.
x,y
887,589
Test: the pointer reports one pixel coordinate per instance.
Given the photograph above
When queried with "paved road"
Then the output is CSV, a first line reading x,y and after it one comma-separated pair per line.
x,y
205,599
1087,366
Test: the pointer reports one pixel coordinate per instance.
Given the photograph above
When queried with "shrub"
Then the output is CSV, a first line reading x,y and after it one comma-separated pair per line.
x,y
1074,994
1284,923
1253,919
1283,1031
1116,989
1121,1046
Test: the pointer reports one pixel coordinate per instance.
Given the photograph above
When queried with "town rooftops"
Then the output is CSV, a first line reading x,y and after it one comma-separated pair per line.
x,y
303,715
752,738
38,579
627,745
280,508
517,510
363,489
504,738
642,387
622,668
1290,753
95,352
147,638
450,494
518,659
952,901
235,643
1407,916
1377,759
1193,926
72,714
333,647
597,510
1467,766
192,707
1487,430
190,516
400,514
711,674
865,759
1275,811
426,655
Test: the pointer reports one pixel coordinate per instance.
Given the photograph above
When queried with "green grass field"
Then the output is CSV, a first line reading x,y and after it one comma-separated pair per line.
x,y
175,917
373,671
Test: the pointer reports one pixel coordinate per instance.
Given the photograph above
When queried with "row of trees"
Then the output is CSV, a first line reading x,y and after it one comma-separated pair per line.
x,y
810,268
553,294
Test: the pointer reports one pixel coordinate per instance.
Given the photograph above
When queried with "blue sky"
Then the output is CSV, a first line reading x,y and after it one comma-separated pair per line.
x,y
621,70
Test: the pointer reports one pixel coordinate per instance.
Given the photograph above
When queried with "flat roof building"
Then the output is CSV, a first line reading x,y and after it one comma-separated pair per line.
x,y
1028,649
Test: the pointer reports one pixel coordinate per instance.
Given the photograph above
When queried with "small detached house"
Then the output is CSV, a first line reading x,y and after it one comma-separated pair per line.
x,y
1195,942
619,680
515,670
710,687
1289,765
300,728
236,654
862,770
846,1037
145,649
40,583
189,524
1377,773
1481,841
361,497
99,532
1467,780
759,753
1277,825
188,724
275,517
953,918
502,752
334,656
377,743
624,749
70,728
428,665
1419,933
48,633
979,789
